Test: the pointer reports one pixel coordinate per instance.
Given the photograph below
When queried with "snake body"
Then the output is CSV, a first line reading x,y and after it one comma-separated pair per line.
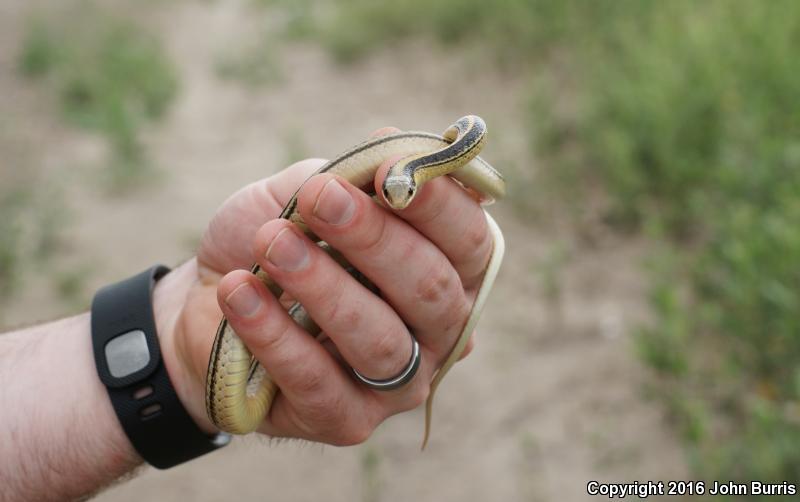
x,y
239,391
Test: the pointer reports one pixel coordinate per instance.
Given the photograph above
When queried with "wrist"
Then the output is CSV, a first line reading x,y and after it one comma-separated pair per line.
x,y
169,300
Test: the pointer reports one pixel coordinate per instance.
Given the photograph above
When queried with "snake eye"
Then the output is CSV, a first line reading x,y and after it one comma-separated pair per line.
x,y
410,192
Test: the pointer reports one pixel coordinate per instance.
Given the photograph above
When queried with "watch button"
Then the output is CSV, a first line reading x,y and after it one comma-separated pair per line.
x,y
127,353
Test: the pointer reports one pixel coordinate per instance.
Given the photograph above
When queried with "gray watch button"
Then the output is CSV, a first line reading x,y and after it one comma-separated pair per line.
x,y
127,353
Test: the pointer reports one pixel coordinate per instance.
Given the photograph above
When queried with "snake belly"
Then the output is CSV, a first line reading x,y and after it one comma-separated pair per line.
x,y
239,391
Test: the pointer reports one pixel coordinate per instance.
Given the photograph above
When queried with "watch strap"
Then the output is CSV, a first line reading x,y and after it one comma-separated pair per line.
x,y
128,359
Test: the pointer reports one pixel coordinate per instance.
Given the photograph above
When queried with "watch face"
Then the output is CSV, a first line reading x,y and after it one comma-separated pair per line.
x,y
127,353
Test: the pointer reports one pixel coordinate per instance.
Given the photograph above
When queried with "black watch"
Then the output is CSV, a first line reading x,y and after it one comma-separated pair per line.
x,y
128,359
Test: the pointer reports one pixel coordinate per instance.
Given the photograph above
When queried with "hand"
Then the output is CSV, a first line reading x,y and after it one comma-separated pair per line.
x,y
427,260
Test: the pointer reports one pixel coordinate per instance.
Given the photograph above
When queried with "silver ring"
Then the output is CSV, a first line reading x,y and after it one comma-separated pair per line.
x,y
402,378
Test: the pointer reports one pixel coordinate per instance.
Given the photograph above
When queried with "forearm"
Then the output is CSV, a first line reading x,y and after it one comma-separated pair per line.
x,y
61,437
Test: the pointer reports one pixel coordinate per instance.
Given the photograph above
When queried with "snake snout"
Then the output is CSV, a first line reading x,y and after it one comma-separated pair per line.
x,y
398,192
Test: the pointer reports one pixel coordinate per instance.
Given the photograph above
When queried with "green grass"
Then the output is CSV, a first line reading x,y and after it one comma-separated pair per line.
x,y
255,66
295,145
32,230
686,114
370,474
70,284
108,76
510,28
12,205
688,123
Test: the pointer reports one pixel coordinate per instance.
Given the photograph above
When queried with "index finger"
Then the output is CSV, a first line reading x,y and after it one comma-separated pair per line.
x,y
225,245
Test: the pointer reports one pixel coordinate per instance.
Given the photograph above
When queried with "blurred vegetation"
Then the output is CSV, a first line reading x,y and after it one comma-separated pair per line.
x,y
31,230
370,475
685,113
255,66
11,205
108,75
295,145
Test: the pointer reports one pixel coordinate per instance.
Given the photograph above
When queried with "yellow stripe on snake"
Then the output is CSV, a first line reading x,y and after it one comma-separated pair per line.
x,y
239,391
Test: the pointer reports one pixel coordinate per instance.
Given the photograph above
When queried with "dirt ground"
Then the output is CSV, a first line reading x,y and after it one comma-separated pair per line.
x,y
551,397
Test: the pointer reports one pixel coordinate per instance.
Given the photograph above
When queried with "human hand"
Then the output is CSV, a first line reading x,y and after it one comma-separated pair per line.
x,y
427,261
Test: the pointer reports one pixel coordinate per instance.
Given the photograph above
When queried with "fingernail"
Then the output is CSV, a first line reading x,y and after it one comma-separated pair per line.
x,y
244,300
334,204
287,251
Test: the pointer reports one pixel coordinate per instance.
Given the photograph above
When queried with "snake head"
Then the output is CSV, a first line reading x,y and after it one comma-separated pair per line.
x,y
399,191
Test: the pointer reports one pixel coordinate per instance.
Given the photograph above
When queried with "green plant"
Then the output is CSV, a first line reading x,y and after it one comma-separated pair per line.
x,y
295,145
39,51
370,472
109,76
11,207
687,121
31,230
550,270
685,114
254,66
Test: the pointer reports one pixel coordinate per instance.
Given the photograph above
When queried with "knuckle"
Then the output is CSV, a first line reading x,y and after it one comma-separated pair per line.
x,y
458,310
476,233
406,251
383,349
343,315
439,283
477,244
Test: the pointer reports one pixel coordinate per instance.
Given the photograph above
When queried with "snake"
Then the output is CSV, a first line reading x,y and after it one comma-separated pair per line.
x,y
239,391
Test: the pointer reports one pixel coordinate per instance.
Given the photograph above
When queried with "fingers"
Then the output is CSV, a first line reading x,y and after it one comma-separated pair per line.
x,y
411,272
420,259
318,400
295,360
226,243
452,219
366,331
224,246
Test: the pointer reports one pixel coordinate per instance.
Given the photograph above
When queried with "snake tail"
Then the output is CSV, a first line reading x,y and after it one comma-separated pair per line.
x,y
496,258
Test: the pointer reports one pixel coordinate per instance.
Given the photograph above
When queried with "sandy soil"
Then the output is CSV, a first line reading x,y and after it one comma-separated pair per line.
x,y
551,397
